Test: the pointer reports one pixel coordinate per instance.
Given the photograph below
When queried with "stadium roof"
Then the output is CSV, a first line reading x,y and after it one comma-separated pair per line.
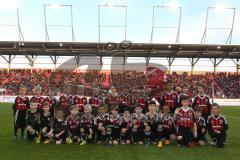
x,y
127,49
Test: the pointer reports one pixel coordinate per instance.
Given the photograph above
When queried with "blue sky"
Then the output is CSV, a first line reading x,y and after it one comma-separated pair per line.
x,y
139,20
139,26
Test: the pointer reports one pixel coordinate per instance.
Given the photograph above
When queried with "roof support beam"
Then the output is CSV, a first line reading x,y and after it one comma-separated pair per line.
x,y
193,61
216,63
170,62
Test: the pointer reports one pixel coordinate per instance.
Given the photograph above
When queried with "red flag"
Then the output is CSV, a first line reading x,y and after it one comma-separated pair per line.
x,y
155,76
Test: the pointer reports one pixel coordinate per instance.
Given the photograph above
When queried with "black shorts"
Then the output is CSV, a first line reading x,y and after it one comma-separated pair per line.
x,y
115,133
200,137
186,134
87,129
138,135
220,139
20,119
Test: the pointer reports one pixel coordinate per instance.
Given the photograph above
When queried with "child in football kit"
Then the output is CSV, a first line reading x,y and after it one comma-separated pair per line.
x,y
80,100
114,125
51,100
125,134
169,98
46,121
168,126
20,107
138,125
151,126
201,128
100,123
33,123
37,91
185,119
87,125
217,126
73,126
95,101
58,131
202,101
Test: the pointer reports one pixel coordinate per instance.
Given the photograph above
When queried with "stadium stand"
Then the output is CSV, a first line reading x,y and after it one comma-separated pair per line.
x,y
220,85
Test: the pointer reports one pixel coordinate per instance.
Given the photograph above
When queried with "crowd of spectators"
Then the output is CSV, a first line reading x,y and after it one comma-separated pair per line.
x,y
220,85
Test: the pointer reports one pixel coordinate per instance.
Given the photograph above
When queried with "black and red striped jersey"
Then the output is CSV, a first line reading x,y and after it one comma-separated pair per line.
x,y
126,121
73,124
153,118
115,121
141,101
65,100
185,117
126,100
51,100
80,101
21,104
171,100
217,123
96,102
101,119
168,121
37,99
202,102
87,120
113,99
138,119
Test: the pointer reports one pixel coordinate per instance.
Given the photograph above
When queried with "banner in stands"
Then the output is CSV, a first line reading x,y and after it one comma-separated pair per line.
x,y
222,102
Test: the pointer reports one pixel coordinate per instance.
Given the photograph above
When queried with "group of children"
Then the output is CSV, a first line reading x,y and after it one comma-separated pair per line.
x,y
79,119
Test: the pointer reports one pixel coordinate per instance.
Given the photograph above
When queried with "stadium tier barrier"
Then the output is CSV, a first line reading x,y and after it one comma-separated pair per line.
x,y
221,102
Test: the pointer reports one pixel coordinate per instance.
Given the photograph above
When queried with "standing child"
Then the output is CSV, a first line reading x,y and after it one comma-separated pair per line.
x,y
170,98
65,100
20,108
52,101
33,123
202,101
217,126
80,100
185,119
95,101
185,91
37,91
142,100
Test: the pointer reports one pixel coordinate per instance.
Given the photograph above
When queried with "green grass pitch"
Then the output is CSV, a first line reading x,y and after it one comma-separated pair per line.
x,y
10,150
